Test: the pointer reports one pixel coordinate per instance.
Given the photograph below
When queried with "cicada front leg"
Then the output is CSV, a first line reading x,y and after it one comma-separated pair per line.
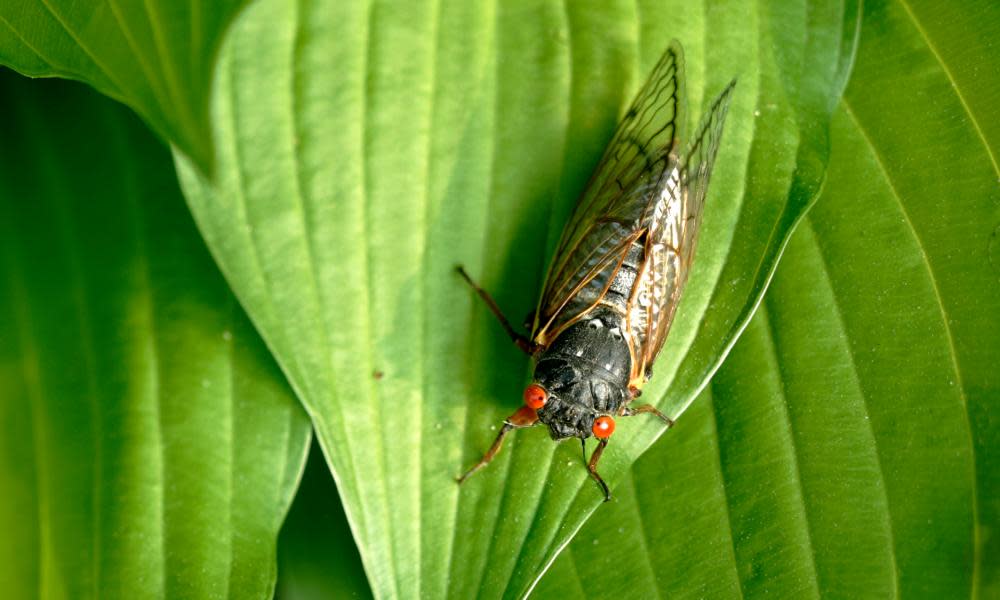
x,y
520,340
523,417
592,467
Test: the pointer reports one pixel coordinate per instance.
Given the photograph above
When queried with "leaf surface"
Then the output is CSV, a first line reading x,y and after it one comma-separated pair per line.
x,y
149,445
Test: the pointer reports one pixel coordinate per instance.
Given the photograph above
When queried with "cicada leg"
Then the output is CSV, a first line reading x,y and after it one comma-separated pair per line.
x,y
649,408
523,417
522,342
592,467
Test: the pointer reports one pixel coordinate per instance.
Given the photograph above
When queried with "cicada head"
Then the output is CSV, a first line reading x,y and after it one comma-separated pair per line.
x,y
574,400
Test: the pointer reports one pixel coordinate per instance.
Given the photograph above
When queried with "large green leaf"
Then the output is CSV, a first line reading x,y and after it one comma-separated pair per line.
x,y
156,56
149,446
363,150
849,445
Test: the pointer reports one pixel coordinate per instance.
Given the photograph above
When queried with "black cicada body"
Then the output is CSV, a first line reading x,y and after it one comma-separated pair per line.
x,y
615,281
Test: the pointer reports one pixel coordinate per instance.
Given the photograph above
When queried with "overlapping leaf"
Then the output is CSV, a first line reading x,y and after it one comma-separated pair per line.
x,y
845,448
364,150
156,56
149,446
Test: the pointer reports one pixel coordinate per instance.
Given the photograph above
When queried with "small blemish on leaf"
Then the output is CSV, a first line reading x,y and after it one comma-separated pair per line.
x,y
993,251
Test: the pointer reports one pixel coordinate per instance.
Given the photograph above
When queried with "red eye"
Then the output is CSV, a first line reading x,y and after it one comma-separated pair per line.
x,y
535,396
603,427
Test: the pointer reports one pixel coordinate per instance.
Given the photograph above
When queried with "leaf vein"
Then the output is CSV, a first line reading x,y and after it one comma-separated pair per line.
x,y
148,295
954,84
424,279
27,44
838,313
147,69
644,538
36,402
725,499
790,430
925,259
170,78
73,35
230,431
367,228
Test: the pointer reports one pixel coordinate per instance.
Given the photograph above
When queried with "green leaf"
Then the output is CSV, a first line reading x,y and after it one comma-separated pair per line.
x,y
156,56
317,557
364,150
148,444
847,448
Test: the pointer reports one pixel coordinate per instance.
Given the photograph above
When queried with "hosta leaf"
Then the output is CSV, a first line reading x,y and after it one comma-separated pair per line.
x,y
149,446
364,149
846,447
317,557
156,56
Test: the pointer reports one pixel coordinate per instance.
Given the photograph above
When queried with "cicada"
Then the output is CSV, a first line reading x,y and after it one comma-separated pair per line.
x,y
618,272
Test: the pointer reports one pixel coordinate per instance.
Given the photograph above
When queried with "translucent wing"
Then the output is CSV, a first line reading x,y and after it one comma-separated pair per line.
x,y
670,242
611,212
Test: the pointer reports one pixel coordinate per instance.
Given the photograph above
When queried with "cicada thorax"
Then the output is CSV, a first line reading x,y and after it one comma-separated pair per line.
x,y
614,289
588,368
585,373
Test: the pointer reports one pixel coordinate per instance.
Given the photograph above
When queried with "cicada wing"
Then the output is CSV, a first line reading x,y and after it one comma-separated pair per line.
x,y
673,234
611,210
697,164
